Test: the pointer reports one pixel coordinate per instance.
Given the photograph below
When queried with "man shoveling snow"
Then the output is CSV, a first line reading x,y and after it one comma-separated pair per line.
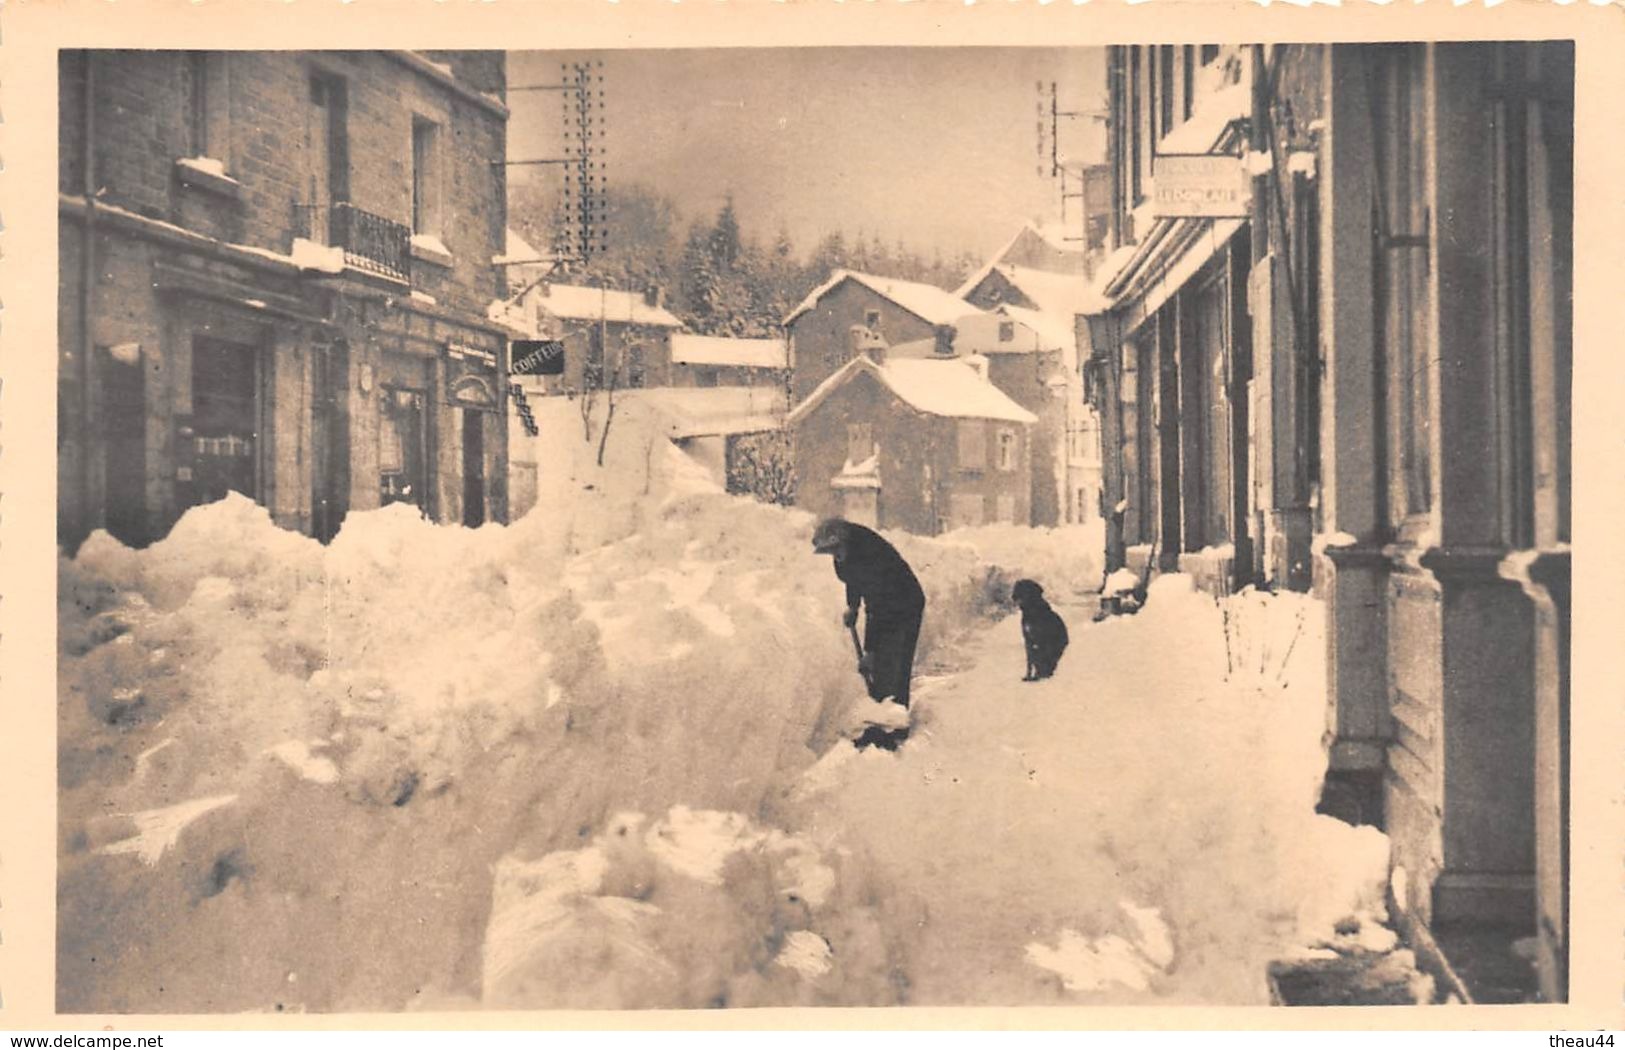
x,y
894,604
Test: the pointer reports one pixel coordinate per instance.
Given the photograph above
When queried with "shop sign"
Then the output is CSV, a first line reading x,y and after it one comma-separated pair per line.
x,y
463,352
537,357
1200,186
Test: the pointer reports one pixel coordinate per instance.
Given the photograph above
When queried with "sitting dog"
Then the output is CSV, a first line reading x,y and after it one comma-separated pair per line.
x,y
1042,630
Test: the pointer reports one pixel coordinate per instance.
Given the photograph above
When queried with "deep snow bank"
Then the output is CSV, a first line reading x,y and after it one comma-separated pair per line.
x,y
287,772
1140,828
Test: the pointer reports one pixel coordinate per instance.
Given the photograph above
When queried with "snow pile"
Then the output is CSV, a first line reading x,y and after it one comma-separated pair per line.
x,y
1138,829
325,750
700,908
1065,560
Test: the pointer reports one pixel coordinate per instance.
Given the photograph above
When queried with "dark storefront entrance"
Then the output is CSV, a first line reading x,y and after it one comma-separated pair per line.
x,y
224,431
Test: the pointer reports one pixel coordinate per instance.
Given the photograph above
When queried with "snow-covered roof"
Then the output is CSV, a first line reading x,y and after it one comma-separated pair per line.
x,y
572,302
949,388
1056,293
689,349
925,301
718,410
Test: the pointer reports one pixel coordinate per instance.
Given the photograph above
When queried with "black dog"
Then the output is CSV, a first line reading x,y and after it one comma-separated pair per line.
x,y
1042,630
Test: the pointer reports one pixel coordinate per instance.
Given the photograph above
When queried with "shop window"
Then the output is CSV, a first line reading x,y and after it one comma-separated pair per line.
x,y
402,448
972,444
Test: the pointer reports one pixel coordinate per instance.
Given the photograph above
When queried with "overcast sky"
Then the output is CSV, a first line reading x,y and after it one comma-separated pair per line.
x,y
936,146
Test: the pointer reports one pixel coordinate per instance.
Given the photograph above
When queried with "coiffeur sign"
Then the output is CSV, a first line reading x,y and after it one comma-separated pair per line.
x,y
1200,186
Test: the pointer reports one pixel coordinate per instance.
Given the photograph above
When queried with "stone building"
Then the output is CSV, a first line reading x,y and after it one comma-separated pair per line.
x,y
275,276
898,311
1352,375
911,442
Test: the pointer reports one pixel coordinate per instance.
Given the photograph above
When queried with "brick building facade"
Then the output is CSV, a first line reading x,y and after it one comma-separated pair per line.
x,y
276,269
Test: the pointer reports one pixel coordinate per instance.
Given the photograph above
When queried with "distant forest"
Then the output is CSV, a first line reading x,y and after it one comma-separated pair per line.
x,y
716,279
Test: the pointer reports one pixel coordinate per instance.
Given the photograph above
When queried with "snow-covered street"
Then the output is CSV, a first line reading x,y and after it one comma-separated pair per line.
x,y
593,760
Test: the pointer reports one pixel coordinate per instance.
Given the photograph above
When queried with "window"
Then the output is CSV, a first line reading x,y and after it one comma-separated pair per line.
x,y
1209,53
327,154
425,177
1134,126
1006,508
1007,331
209,96
972,444
1007,449
871,320
860,442
1401,280
1164,89
1189,80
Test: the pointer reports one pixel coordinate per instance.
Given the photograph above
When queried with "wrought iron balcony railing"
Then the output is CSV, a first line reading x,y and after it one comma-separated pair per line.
x,y
371,242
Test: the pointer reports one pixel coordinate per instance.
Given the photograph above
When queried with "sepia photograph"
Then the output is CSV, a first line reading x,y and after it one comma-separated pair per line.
x,y
709,528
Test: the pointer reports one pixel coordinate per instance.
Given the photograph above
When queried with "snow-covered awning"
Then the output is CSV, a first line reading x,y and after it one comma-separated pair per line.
x,y
689,349
572,302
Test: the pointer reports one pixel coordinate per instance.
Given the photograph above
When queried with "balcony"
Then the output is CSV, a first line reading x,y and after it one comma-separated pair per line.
x,y
371,243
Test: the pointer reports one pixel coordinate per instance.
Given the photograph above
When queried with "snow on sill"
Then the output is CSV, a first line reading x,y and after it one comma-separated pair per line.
x,y
207,165
1302,162
1326,540
429,248
424,298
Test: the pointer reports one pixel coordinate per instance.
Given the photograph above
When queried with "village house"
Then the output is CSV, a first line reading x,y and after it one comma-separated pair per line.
x,y
898,311
1027,359
1050,247
1056,304
1348,370
914,443
274,272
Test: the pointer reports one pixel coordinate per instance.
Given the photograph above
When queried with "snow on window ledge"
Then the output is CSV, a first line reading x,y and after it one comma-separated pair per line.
x,y
207,173
428,248
308,255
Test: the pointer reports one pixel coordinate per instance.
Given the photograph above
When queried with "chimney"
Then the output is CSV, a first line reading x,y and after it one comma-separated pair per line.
x,y
652,295
865,342
978,364
945,340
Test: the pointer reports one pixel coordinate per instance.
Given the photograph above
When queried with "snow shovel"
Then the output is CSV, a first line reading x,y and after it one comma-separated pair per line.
x,y
884,714
864,669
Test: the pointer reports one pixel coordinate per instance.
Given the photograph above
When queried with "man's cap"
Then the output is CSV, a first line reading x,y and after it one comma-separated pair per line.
x,y
828,536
